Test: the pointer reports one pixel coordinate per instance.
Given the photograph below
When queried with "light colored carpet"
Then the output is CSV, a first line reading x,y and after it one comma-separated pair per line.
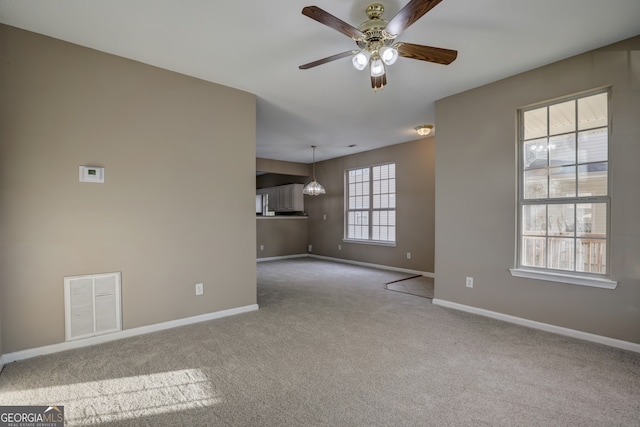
x,y
420,286
331,347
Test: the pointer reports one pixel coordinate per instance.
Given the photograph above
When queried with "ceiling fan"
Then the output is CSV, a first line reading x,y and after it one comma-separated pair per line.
x,y
375,39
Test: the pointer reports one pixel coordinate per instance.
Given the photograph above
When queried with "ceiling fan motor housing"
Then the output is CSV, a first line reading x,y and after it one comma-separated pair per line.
x,y
375,35
375,10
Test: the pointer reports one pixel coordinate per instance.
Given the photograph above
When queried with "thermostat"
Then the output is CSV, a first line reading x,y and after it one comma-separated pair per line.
x,y
91,174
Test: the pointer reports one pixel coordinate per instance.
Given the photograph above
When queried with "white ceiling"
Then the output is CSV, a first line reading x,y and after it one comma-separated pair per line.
x,y
257,45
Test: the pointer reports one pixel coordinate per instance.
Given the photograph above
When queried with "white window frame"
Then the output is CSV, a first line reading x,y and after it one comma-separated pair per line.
x,y
370,210
600,280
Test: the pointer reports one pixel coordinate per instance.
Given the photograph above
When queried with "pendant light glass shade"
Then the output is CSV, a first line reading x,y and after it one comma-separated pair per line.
x,y
313,188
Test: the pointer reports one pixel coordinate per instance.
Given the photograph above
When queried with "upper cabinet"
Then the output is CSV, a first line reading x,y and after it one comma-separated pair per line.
x,y
284,198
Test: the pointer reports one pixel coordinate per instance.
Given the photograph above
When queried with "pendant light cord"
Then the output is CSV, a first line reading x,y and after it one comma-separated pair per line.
x,y
314,162
314,171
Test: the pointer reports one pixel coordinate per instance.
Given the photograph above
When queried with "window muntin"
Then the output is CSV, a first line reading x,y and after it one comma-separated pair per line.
x,y
564,197
371,204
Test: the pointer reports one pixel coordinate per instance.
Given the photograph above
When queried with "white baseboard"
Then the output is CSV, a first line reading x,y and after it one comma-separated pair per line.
x,y
69,345
380,266
612,342
276,258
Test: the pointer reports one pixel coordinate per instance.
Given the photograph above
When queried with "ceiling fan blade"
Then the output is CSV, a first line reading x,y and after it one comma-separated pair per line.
x,y
328,59
426,53
323,17
409,14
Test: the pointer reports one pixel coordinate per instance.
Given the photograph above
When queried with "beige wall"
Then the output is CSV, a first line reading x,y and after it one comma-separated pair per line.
x,y
281,236
278,172
275,179
415,207
168,216
282,167
476,193
1,352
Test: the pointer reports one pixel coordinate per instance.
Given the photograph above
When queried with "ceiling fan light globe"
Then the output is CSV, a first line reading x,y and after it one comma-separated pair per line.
x,y
377,67
360,60
389,55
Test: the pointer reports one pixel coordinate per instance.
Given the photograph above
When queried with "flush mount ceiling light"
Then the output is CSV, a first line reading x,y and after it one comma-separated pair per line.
x,y
424,130
376,39
313,188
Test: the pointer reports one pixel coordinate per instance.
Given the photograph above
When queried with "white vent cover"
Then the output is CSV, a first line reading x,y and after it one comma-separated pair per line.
x,y
92,305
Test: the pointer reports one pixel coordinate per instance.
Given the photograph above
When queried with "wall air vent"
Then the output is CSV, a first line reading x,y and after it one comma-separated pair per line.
x,y
92,305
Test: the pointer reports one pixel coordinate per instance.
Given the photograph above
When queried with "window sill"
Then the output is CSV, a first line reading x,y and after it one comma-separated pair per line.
x,y
370,242
594,282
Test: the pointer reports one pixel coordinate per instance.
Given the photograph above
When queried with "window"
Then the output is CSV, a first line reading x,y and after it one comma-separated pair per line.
x,y
563,202
371,204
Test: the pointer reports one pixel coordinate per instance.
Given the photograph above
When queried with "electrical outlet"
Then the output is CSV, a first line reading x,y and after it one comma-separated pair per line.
x,y
310,248
324,217
339,247
199,288
469,282
262,247
408,255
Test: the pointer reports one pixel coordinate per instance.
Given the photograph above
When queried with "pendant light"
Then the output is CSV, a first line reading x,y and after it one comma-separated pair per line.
x,y
313,188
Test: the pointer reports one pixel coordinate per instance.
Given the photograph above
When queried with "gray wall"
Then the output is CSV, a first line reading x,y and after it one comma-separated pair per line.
x,y
275,179
415,207
168,215
1,352
281,236
476,194
283,168
278,172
